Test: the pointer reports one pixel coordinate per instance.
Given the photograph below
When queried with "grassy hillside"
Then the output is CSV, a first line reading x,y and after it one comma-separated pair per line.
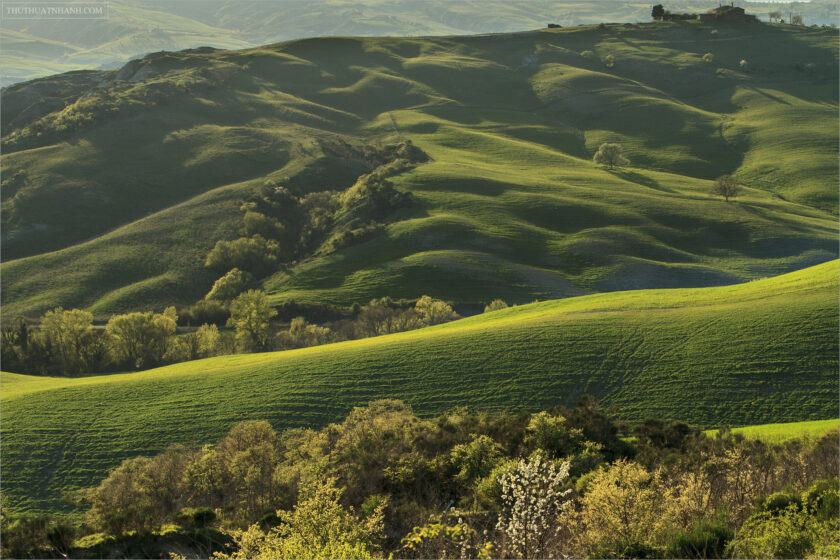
x,y
113,192
787,431
746,354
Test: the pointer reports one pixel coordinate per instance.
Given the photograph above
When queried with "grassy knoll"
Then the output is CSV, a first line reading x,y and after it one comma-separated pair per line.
x,y
786,431
764,351
103,199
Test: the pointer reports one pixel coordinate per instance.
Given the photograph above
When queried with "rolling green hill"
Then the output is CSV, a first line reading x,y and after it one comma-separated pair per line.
x,y
751,353
33,49
116,184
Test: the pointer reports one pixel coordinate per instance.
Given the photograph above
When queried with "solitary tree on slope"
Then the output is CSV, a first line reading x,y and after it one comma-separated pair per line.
x,y
610,155
726,187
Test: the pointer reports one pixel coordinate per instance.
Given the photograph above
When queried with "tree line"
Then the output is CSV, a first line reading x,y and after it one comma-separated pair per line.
x,y
465,484
66,341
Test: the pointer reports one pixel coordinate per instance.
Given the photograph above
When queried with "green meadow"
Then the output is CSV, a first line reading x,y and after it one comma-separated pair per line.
x,y
777,433
112,200
758,352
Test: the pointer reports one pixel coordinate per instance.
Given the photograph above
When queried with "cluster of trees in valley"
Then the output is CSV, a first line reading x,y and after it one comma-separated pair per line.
x,y
465,484
66,341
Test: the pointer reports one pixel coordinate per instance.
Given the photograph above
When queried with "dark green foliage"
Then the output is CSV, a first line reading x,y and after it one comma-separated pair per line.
x,y
664,435
658,12
823,499
779,502
255,254
198,517
202,312
706,539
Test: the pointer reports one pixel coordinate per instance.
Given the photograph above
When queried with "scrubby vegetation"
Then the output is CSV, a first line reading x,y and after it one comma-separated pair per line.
x,y
464,484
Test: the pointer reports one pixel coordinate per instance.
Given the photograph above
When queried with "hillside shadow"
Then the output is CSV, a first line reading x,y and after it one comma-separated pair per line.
x,y
640,179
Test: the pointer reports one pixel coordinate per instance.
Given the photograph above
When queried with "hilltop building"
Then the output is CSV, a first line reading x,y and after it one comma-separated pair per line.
x,y
731,13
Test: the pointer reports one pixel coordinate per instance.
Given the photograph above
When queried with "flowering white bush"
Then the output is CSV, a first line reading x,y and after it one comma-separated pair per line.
x,y
533,500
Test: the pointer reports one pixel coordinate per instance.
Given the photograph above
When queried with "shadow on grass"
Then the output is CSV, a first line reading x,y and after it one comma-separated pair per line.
x,y
640,179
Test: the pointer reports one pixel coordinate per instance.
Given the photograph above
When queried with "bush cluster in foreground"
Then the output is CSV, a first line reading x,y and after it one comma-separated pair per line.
x,y
558,483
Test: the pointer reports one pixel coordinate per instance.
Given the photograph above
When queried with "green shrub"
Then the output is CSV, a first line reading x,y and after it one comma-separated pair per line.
x,y
552,435
791,533
706,539
779,502
822,499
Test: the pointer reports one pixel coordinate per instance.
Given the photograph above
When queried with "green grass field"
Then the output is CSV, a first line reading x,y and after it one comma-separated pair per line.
x,y
511,205
763,351
777,433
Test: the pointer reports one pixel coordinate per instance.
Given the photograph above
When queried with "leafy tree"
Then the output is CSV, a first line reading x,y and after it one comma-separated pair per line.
x,y
70,334
797,20
552,435
253,254
658,12
611,155
141,339
434,311
625,507
319,527
250,315
14,345
209,340
256,223
791,533
775,16
302,334
367,442
117,503
382,316
233,283
726,187
25,536
475,459
140,494
249,455
495,305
